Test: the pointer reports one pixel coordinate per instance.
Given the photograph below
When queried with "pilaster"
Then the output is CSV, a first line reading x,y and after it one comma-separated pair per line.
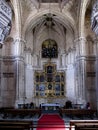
x,y
12,75
85,73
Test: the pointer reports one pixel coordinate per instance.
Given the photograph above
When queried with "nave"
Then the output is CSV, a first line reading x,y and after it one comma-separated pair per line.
x,y
48,56
37,119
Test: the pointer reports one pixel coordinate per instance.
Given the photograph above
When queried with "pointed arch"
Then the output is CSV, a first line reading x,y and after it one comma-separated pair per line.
x,y
65,19
83,7
18,21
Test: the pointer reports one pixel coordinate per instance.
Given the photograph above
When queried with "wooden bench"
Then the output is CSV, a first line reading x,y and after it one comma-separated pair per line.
x,y
83,124
4,127
20,112
86,126
19,124
78,112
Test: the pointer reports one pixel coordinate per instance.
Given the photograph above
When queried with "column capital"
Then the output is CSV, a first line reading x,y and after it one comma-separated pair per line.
x,y
79,39
80,45
96,39
20,40
19,46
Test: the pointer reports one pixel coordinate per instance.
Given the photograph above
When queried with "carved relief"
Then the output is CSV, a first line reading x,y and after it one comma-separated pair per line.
x,y
5,20
94,18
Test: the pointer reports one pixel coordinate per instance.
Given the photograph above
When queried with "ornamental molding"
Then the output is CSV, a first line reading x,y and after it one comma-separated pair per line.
x,y
13,58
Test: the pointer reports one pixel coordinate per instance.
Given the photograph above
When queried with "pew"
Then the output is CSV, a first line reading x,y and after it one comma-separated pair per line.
x,y
3,127
78,112
16,124
20,112
84,124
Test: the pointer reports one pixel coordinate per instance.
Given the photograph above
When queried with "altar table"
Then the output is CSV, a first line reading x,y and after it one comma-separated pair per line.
x,y
48,106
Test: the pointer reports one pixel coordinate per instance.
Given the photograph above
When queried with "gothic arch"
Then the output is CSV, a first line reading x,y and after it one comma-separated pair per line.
x,y
83,7
64,19
18,16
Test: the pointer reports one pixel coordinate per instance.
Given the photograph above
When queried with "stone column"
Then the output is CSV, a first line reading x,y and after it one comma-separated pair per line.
x,y
0,80
96,42
94,25
80,68
20,71
80,46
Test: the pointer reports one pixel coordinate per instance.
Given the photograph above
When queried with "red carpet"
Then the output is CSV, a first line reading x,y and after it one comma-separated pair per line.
x,y
50,122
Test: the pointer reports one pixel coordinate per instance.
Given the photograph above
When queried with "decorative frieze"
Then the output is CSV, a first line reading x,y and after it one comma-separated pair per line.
x,y
12,58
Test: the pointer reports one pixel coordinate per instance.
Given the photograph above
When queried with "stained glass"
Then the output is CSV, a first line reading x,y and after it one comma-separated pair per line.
x,y
49,49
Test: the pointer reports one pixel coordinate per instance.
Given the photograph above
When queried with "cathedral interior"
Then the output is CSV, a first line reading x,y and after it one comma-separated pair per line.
x,y
48,52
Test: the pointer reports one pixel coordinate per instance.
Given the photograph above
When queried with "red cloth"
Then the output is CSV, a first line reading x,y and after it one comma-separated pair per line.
x,y
51,122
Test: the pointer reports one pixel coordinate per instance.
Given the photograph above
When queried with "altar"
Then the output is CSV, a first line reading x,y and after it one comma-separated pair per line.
x,y
50,106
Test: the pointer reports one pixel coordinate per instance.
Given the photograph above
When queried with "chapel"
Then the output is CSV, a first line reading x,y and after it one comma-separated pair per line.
x,y
48,52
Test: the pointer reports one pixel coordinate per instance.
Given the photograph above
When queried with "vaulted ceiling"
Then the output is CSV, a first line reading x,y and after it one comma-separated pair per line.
x,y
60,17
60,2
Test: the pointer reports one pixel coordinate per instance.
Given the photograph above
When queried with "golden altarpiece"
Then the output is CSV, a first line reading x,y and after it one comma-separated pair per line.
x,y
49,82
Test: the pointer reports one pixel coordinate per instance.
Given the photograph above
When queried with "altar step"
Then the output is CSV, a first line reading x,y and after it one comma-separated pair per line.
x,y
50,111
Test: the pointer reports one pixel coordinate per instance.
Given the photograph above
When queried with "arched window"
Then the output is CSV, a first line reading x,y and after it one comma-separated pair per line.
x,y
49,49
